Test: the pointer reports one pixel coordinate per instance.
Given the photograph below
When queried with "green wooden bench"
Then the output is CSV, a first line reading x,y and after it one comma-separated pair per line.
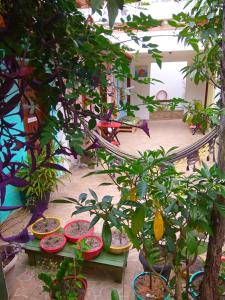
x,y
114,264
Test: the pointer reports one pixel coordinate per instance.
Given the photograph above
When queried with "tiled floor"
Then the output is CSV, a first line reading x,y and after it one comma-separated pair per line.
x,y
164,133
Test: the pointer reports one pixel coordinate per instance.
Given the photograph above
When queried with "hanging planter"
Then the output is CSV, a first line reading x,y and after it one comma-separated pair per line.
x,y
95,243
120,243
77,229
53,243
143,290
45,226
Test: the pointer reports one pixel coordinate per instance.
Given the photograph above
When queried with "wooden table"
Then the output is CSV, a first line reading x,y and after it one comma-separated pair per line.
x,y
113,264
109,130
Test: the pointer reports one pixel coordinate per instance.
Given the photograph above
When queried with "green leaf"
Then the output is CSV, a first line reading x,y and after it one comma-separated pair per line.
x,y
192,243
93,194
94,221
107,199
91,123
114,221
134,240
113,9
105,184
106,236
82,197
115,295
96,4
142,188
138,219
82,209
62,201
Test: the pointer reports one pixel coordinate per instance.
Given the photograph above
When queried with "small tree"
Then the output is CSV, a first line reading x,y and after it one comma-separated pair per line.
x,y
159,208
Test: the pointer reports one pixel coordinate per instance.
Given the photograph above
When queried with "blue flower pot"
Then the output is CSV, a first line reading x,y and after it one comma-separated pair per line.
x,y
137,297
194,294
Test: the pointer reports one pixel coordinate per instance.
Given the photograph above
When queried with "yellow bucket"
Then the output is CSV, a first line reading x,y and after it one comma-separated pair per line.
x,y
40,235
120,250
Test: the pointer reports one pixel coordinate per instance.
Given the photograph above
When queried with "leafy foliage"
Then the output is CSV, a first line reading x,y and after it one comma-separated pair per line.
x,y
170,217
61,286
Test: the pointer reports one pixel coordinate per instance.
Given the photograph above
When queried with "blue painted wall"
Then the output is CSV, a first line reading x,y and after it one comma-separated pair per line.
x,y
12,194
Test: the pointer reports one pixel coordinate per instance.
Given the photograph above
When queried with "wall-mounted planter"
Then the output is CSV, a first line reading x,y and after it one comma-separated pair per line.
x,y
77,229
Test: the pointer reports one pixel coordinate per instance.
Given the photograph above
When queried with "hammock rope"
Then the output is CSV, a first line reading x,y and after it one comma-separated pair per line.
x,y
191,152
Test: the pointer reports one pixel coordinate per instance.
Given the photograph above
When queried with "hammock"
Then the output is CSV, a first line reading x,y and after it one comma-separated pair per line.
x,y
191,152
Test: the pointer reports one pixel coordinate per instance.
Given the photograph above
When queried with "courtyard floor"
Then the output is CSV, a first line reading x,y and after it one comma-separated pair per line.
x,y
166,133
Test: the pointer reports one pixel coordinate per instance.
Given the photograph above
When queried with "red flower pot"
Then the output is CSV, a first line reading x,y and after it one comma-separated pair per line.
x,y
73,233
83,281
93,252
53,243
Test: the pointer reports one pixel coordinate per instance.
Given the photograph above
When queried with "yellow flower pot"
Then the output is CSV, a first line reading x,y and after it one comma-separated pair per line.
x,y
40,235
120,250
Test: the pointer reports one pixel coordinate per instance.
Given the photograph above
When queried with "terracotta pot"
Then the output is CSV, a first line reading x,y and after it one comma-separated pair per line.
x,y
72,238
40,235
83,282
56,248
92,253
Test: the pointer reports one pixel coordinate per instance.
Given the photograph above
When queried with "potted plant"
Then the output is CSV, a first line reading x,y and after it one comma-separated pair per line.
x,y
120,242
45,226
42,181
198,117
77,229
53,243
68,283
195,281
149,286
162,267
95,245
9,256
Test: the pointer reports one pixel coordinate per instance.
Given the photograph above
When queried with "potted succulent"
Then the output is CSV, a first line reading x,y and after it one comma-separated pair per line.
x,y
95,245
53,243
45,226
9,256
77,229
68,283
120,242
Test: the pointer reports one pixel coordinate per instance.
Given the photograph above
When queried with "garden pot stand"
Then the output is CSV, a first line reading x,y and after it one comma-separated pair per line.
x,y
114,264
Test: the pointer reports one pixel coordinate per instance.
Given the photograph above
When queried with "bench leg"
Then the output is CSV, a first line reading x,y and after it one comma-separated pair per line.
x,y
31,259
117,274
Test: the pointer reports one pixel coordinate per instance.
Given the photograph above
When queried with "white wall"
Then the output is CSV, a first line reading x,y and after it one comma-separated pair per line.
x,y
172,79
192,91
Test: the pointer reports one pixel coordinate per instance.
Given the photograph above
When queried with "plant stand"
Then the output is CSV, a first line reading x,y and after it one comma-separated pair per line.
x,y
112,263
